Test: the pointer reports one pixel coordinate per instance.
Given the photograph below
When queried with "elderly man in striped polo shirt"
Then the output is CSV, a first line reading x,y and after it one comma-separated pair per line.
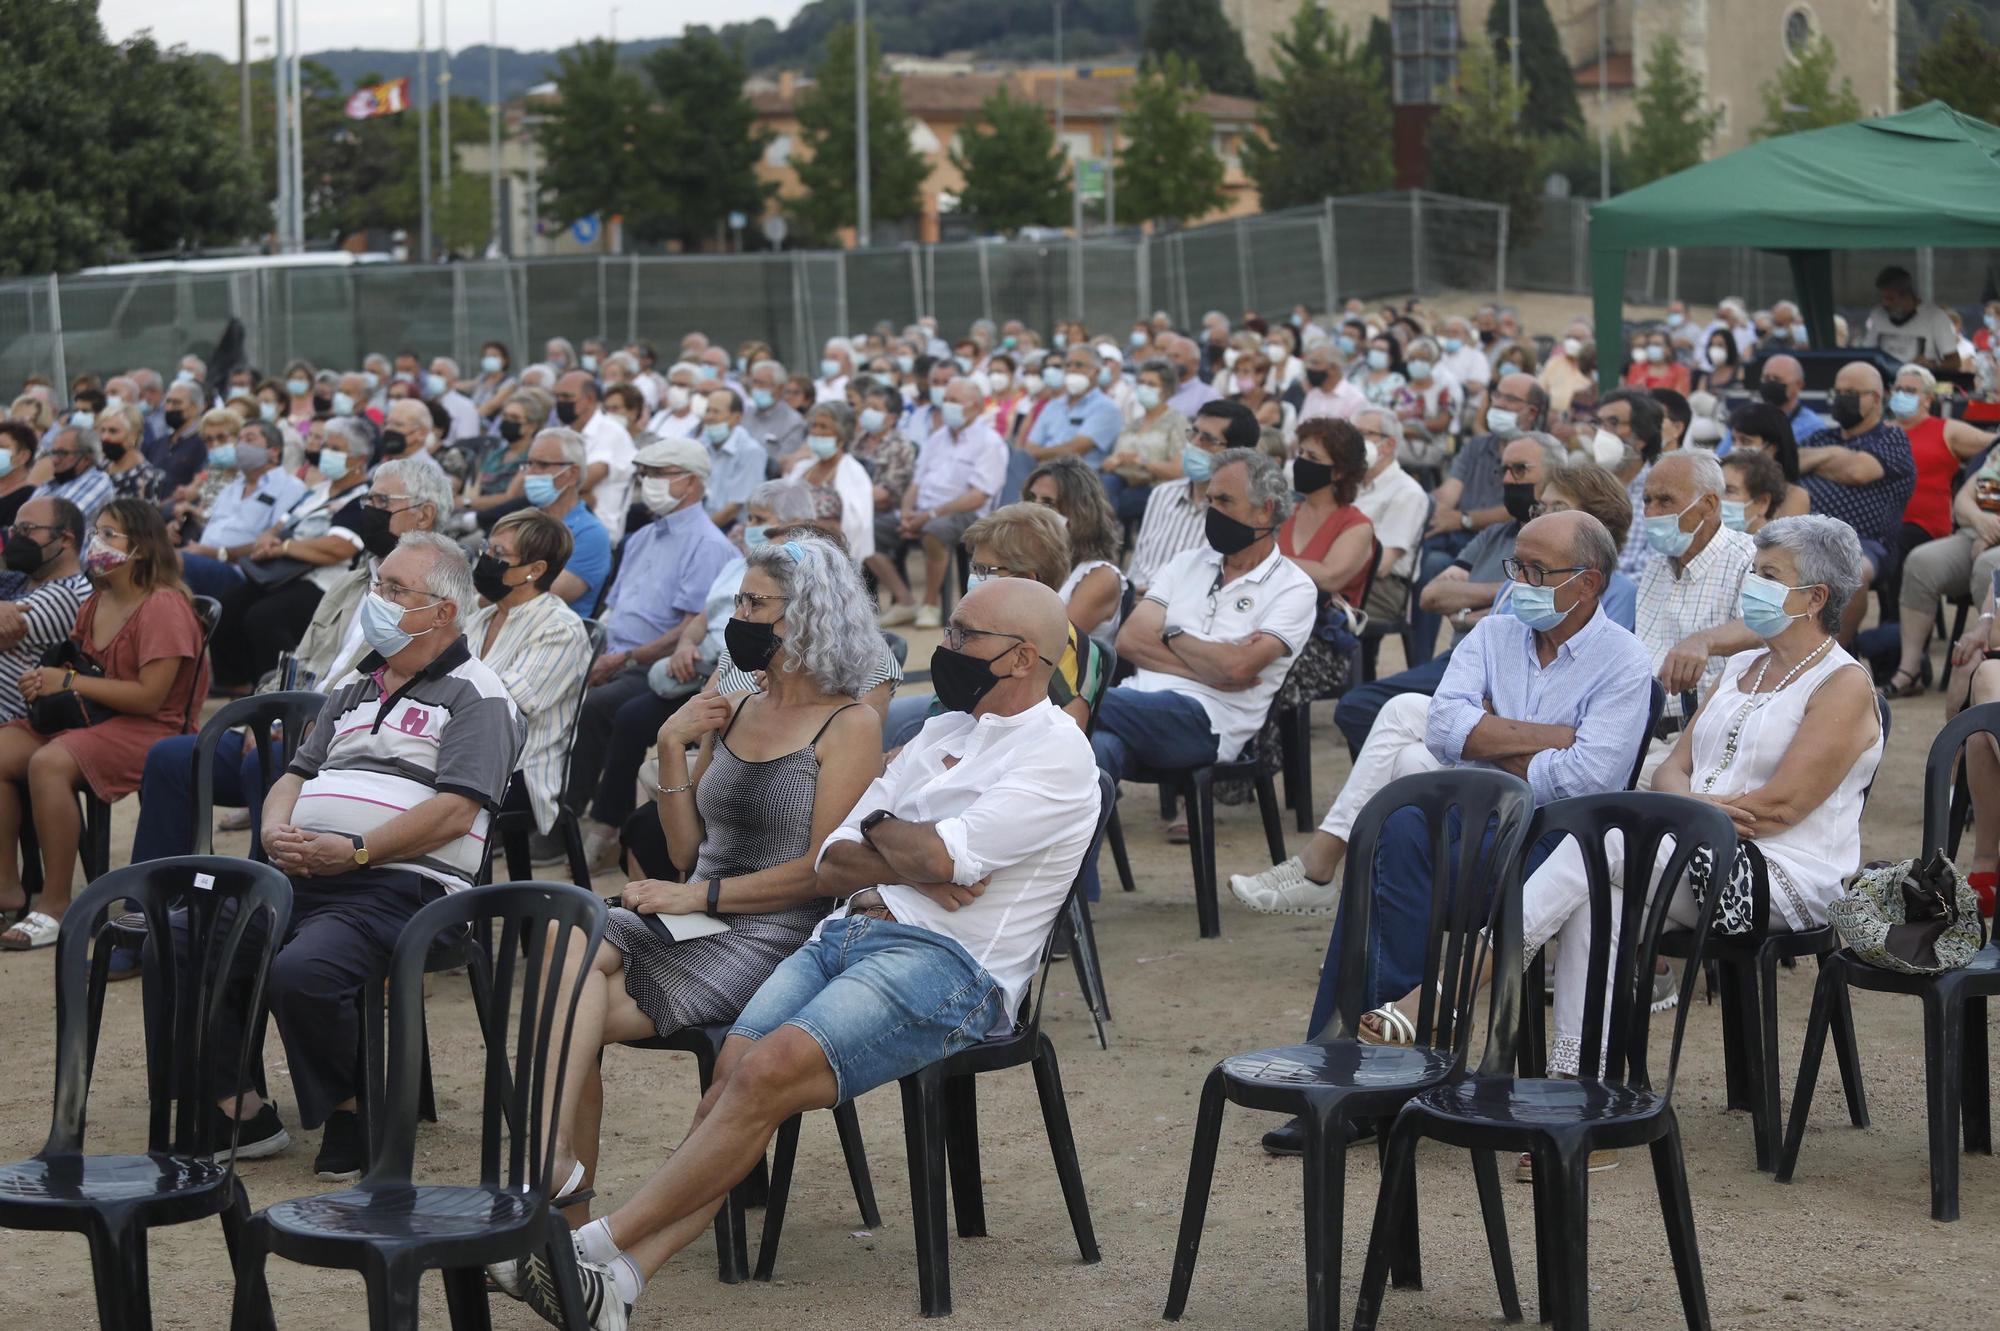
x,y
384,807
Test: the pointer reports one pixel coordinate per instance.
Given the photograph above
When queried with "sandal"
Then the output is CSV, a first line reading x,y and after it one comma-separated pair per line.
x,y
1177,834
36,930
1914,687
1392,1028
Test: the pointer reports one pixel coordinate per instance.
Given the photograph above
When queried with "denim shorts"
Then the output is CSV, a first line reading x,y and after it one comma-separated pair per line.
x,y
882,999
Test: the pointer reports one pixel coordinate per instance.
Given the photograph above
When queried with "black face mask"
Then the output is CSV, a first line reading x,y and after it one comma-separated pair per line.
x,y
750,645
511,431
960,681
489,575
1772,392
114,452
1309,476
175,419
24,554
1317,378
1519,498
566,412
322,405
376,538
1229,536
1487,335
1847,410
393,443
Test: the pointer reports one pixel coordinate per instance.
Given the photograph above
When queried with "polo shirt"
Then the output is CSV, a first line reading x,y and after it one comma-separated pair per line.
x,y
1276,597
449,730
1477,470
238,517
777,427
668,567
948,465
1192,396
608,442
1064,418
1875,510
589,556
89,490
1340,402
1397,506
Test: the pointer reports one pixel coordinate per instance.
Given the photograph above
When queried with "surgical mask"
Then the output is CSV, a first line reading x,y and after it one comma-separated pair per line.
x,y
658,492
704,371
1196,463
964,364
1229,357
434,385
590,364
763,397
222,457
751,646
906,364
1378,359
822,445
1903,404
1147,396
267,411
6,461
1656,354
372,379
873,419
1519,498
1370,454
1718,355
1735,515
1419,369
1993,323
716,434
99,559
937,395
1061,341
332,464
829,368
677,399
490,364
382,624
541,490
1607,450
1675,319
1246,383
252,457
1761,604
1783,332
1140,339
754,536
1572,347
1275,352
1104,376
1499,420
83,419
954,415
112,402
1052,377
297,387
1345,343
1536,606
997,381
343,405
184,377
1664,534
1454,345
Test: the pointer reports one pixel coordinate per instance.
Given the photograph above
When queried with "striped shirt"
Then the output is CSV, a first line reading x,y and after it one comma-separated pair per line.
x,y
1173,522
450,730
50,612
541,655
1702,596
90,491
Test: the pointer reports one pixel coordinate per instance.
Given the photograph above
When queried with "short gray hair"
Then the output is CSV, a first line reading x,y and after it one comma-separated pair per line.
x,y
1390,423
830,630
838,414
1828,554
1086,349
350,431
570,441
1268,484
787,501
450,370
1704,470
1554,456
1592,547
769,365
424,482
449,577
86,439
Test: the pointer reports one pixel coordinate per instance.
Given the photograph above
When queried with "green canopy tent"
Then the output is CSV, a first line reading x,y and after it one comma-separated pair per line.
x,y
1926,177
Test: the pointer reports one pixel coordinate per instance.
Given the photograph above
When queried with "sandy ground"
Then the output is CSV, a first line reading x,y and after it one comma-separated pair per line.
x,y
1849,1244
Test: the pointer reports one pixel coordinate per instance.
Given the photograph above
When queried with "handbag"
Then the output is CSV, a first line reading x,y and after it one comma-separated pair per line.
x,y
1917,917
1340,625
53,713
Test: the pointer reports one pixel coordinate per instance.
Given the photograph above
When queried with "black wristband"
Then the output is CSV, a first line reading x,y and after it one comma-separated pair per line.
x,y
714,896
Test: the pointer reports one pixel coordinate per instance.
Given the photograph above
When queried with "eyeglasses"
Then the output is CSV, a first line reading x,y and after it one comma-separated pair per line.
x,y
27,530
108,534
542,464
1517,471
396,591
382,502
1508,400
1200,440
956,633
1533,575
998,571
747,601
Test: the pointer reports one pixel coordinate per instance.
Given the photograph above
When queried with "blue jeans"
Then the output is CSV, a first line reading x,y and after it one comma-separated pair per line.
x,y
1162,731
1437,555
906,717
210,577
166,794
1359,706
882,999
1128,501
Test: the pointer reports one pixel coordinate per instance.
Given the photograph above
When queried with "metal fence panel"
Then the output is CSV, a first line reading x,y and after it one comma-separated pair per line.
x,y
1283,260
1110,287
28,340
879,287
959,283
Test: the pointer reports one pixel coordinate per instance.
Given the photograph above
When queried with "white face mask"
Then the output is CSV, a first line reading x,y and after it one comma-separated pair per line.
x,y
1370,454
658,492
1076,385
677,399
1607,450
1572,347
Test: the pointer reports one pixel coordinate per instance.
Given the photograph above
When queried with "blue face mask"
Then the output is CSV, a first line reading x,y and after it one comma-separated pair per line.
x,y
490,364
715,434
822,445
905,364
382,624
1499,420
937,396
297,387
829,368
1453,345
222,456
1902,404
541,490
1536,606
434,385
1734,515
1762,605
873,419
975,579
332,465
704,372
1104,377
954,415
1345,343
1664,534
754,537
1196,463
6,461
763,397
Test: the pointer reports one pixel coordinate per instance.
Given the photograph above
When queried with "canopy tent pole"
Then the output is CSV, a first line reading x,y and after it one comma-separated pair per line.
x,y
1607,307
1812,279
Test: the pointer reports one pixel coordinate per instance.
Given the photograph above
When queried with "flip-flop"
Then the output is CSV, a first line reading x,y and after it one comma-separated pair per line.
x,y
38,931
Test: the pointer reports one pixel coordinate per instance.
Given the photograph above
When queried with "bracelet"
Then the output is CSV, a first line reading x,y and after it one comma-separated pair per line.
x,y
675,790
714,896
69,677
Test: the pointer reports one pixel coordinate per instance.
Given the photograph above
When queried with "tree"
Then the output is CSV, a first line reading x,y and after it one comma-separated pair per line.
x,y
896,171
1197,31
595,137
1802,95
1166,169
1324,119
53,147
1381,48
705,161
1961,69
1015,176
1478,151
1550,110
179,178
1673,128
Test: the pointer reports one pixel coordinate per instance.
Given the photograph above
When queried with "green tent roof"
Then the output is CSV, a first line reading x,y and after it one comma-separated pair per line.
x,y
1928,176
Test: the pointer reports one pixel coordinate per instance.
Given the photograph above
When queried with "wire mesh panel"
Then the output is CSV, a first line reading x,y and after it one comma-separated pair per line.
x,y
823,304
562,302
488,312
1374,245
959,280
315,313
1283,255
27,331
1110,287
112,323
732,298
400,308
881,286
1460,245
1030,282
1555,251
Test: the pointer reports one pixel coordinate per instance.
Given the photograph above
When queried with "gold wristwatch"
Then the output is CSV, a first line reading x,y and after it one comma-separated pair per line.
x,y
360,849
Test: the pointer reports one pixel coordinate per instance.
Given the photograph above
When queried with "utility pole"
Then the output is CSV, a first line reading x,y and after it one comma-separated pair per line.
x,y
1514,45
423,136
281,135
298,133
493,122
243,67
861,219
1603,99
444,102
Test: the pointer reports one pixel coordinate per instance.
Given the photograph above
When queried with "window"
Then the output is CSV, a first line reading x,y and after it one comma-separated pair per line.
x,y
778,151
1424,42
1798,31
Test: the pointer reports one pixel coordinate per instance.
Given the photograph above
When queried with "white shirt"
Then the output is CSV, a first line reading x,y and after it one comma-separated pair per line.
x,y
465,423
1276,597
857,502
830,390
1467,365
1396,505
948,466
1340,402
1105,633
1925,335
1018,808
606,441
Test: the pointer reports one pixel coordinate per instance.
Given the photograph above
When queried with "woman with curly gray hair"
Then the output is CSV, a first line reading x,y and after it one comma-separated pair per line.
x,y
772,773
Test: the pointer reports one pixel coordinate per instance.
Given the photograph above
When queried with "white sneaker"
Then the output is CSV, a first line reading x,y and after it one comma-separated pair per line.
x,y
895,615
1284,889
929,617
603,1310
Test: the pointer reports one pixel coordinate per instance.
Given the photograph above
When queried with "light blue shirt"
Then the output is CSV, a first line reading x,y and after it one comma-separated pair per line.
x,y
736,467
668,568
1600,684
237,517
1094,414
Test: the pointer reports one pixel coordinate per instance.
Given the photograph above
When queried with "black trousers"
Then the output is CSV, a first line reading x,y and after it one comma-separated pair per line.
x,y
257,624
594,728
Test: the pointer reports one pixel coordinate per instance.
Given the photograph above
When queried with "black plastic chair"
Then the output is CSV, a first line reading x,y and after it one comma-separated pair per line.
x,y
1401,626
732,1244
392,1230
1334,1080
183,1175
941,1130
1612,1102
1746,968
1957,1095
292,712
509,829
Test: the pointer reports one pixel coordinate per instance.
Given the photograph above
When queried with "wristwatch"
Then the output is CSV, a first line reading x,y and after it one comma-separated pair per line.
x,y
1461,620
871,822
360,849
1465,522
1170,633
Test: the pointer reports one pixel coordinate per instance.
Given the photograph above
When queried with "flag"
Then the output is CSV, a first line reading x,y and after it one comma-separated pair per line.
x,y
381,99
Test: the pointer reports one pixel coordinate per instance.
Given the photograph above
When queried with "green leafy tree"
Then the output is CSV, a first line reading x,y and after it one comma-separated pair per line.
x,y
53,147
896,171
179,179
1015,176
1802,96
1324,118
1674,124
1167,170
1961,69
596,137
1479,151
1551,109
705,162
1381,48
1199,32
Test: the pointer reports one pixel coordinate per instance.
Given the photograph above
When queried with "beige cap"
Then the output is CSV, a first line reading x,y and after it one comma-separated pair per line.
x,y
683,453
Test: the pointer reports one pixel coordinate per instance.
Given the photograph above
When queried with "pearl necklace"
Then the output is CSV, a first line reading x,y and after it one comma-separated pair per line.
x,y
1757,700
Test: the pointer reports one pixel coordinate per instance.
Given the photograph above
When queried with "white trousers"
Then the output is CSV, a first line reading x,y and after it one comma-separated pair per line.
x,y
1395,748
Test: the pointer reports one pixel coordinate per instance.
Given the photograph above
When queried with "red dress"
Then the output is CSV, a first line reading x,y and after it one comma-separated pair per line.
x,y
1937,468
1347,515
112,753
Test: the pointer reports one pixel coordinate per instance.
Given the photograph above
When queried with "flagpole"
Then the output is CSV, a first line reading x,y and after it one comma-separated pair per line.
x,y
281,140
297,134
444,103
423,136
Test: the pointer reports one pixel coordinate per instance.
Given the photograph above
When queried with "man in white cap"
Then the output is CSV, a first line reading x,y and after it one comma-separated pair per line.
x,y
1111,379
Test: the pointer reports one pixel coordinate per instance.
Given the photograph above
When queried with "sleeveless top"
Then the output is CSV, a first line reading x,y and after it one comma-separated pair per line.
x,y
756,816
1106,634
1808,860
1937,467
1338,521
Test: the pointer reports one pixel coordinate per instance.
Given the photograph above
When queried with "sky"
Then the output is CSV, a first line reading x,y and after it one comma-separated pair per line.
x,y
211,25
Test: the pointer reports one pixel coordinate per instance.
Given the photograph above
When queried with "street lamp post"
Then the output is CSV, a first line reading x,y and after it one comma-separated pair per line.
x,y
861,219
